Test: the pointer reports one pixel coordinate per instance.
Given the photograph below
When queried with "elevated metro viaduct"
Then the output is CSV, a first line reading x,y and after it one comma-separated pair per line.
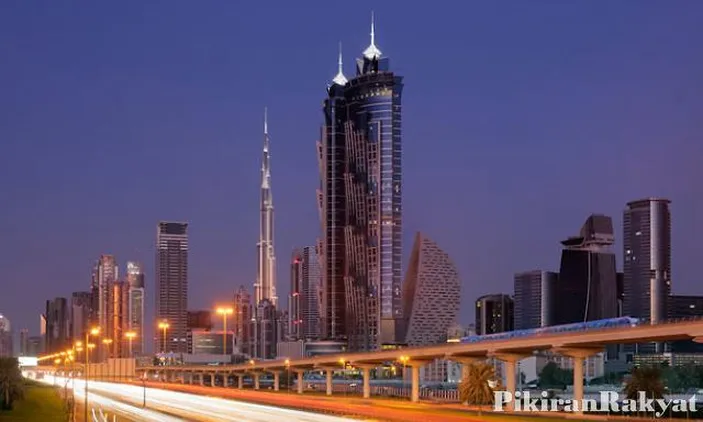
x,y
575,344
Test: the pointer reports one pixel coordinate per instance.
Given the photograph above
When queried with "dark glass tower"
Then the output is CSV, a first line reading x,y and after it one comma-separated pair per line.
x,y
172,285
534,299
587,286
360,203
494,314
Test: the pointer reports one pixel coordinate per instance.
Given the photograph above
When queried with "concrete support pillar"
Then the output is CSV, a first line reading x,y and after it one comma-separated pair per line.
x,y
201,379
366,374
510,361
578,380
276,381
213,378
225,379
256,381
415,383
191,378
300,382
240,381
328,377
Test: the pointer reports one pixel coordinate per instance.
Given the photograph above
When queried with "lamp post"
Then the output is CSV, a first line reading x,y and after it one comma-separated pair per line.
x,y
288,383
404,360
224,312
164,325
92,332
130,336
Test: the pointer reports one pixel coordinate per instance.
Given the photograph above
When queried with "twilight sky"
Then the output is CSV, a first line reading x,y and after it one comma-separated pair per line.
x,y
520,119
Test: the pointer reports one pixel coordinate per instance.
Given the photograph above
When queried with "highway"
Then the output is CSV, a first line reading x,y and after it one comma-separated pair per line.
x,y
125,402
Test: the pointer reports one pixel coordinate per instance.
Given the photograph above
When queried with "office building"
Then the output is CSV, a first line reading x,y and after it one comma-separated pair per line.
x,y
265,285
206,342
136,296
431,294
243,313
24,342
685,307
304,299
587,286
171,292
58,325
42,331
35,346
105,273
200,320
494,314
6,346
264,331
80,314
118,320
647,262
360,204
534,299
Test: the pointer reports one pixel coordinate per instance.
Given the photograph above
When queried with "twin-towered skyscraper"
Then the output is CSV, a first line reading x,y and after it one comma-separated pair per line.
x,y
360,204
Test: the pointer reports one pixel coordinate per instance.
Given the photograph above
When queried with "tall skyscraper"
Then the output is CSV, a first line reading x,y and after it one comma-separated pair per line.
x,y
647,254
265,285
6,347
587,286
105,273
534,299
58,325
24,342
118,319
360,202
494,314
243,314
264,331
135,281
304,306
172,285
431,294
80,314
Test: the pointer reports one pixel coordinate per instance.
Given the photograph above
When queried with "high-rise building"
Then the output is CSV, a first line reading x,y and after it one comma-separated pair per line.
x,y
80,314
686,307
35,346
6,347
431,294
24,342
587,286
171,291
534,299
58,325
264,331
360,203
118,319
42,331
494,314
243,314
265,285
105,272
303,303
647,262
135,281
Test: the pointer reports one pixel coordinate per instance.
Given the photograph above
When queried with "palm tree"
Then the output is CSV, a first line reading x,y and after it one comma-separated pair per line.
x,y
647,379
476,388
11,383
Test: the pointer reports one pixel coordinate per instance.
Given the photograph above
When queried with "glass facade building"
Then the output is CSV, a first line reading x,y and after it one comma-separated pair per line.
x,y
534,299
494,314
360,204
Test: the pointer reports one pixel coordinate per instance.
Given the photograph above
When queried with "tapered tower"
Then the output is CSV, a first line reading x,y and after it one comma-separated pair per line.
x,y
265,286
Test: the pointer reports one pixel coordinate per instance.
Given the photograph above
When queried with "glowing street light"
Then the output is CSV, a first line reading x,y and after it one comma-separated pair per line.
x,y
224,312
130,336
92,332
164,325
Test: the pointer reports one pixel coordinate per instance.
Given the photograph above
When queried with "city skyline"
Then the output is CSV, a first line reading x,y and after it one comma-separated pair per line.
x,y
210,209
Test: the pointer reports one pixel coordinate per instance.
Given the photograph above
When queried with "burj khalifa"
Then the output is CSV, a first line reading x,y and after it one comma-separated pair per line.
x,y
265,285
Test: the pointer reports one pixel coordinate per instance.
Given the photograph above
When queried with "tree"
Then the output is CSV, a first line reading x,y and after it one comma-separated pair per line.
x,y
476,388
553,376
11,383
647,379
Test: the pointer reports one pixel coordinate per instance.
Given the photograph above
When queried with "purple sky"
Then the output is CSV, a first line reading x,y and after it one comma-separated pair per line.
x,y
520,119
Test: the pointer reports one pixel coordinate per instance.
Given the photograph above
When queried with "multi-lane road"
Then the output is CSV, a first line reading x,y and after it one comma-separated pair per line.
x,y
110,402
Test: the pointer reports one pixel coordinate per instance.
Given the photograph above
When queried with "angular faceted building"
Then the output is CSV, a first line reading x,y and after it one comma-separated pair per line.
x,y
360,204
587,286
431,294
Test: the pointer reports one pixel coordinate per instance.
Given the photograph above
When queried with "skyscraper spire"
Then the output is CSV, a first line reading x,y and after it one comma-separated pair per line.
x,y
340,79
265,285
372,52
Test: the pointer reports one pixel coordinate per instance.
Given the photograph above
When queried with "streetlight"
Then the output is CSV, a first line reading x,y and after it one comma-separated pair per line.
x,y
107,342
163,325
130,336
404,360
288,383
224,312
92,332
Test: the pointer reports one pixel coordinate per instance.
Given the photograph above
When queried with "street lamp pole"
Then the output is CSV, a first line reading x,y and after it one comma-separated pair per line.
x,y
130,336
224,312
94,332
164,326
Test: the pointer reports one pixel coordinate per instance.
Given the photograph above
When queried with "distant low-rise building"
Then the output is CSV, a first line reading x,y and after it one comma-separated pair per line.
x,y
204,342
